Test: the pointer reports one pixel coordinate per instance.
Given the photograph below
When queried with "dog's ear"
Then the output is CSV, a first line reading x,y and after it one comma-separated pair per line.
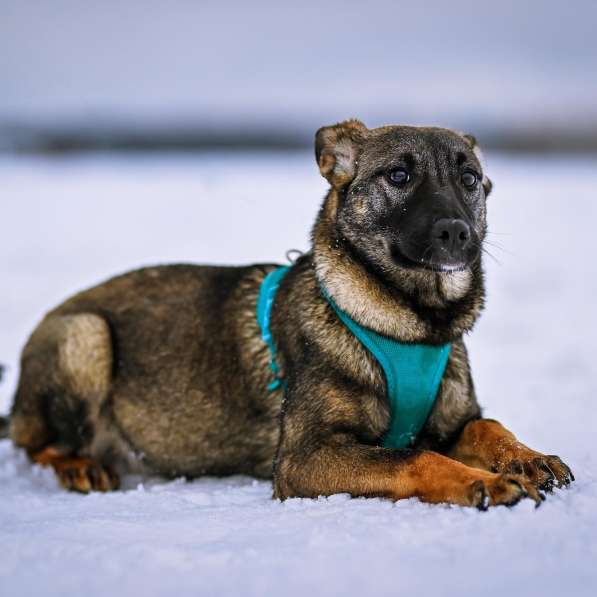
x,y
487,185
336,150
472,141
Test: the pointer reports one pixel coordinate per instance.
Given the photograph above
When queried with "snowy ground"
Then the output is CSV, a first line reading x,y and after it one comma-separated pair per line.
x,y
67,224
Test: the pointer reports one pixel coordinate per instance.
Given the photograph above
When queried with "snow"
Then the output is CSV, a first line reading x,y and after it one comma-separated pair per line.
x,y
69,223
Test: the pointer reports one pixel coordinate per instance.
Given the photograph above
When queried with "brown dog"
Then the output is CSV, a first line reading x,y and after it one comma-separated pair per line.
x,y
164,369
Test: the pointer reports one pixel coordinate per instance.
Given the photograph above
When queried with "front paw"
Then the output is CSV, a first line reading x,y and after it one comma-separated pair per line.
x,y
502,490
544,472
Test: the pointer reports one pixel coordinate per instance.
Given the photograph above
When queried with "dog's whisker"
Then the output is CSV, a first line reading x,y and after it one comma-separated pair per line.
x,y
499,233
499,247
494,245
491,255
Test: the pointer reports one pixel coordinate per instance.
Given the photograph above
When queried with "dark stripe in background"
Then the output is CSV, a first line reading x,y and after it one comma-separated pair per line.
x,y
31,140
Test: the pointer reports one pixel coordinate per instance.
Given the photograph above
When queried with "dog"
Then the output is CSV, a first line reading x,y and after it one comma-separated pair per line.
x,y
166,369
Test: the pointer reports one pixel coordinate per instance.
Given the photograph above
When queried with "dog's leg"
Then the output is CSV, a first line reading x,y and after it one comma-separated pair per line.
x,y
65,379
397,474
486,444
327,446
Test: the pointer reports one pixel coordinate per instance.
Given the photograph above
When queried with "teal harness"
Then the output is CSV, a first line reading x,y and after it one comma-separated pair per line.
x,y
413,372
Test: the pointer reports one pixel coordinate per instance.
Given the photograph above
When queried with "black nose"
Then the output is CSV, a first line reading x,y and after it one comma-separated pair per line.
x,y
451,235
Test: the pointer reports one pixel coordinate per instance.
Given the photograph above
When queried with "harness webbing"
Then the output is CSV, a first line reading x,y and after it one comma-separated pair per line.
x,y
267,294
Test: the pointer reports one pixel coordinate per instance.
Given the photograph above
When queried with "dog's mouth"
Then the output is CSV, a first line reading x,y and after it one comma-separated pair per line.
x,y
434,261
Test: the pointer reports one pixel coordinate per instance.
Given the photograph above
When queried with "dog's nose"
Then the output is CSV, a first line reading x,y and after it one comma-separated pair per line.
x,y
451,235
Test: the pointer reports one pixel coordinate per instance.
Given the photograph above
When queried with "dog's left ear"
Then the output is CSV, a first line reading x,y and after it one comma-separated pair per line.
x,y
472,141
336,150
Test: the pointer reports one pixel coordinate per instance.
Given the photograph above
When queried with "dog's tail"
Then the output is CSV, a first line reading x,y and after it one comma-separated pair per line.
x,y
4,421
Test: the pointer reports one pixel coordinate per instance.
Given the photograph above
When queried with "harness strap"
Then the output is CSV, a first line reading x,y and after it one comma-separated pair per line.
x,y
267,294
413,375
413,372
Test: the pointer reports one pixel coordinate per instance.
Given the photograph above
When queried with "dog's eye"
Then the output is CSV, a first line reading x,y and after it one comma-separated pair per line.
x,y
398,176
469,179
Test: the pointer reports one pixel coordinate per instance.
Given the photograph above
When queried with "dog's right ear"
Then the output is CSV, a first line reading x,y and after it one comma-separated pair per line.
x,y
337,149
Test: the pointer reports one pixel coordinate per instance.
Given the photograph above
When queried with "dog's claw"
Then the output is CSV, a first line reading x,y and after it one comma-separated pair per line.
x,y
481,497
569,477
529,490
565,477
523,493
548,484
543,472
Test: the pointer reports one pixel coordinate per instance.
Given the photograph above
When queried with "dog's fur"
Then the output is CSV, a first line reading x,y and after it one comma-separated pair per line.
x,y
164,369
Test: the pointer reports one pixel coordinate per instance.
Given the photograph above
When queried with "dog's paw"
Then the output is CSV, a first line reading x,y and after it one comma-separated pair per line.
x,y
84,475
502,490
544,472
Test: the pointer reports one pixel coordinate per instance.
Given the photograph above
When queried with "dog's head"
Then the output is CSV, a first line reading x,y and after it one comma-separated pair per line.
x,y
410,198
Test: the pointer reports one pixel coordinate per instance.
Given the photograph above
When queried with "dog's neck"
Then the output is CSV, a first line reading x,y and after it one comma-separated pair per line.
x,y
413,306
